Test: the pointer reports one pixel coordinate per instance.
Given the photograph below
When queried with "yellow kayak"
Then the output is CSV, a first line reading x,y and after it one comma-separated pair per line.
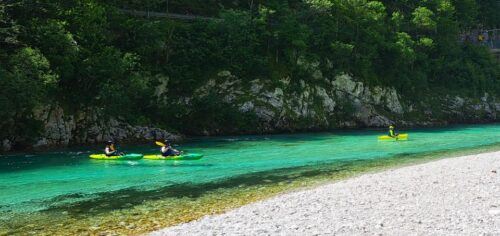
x,y
400,137
131,156
192,156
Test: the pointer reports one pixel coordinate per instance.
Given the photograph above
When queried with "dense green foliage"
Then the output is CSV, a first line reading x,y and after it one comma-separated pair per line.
x,y
89,53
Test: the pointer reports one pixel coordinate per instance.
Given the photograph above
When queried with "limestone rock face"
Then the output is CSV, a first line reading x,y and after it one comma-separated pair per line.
x,y
284,104
58,128
341,102
89,127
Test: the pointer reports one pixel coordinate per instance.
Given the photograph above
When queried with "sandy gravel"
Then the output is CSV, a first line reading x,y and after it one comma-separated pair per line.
x,y
457,196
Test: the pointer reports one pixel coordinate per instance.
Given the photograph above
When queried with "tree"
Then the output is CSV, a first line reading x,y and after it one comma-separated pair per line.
x,y
422,19
23,87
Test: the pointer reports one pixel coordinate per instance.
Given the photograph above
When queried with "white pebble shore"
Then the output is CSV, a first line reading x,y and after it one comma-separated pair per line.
x,y
456,196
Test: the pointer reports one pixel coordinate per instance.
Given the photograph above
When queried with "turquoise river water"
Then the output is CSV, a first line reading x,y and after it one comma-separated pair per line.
x,y
68,179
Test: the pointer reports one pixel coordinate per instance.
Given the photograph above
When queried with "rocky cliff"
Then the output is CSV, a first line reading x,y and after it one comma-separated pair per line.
x,y
342,102
318,103
86,127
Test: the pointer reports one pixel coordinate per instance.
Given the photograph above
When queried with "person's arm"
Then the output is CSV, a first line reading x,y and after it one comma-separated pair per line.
x,y
110,150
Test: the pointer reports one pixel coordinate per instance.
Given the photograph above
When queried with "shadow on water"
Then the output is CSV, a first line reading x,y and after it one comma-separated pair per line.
x,y
30,162
176,164
106,201
126,198
450,128
297,138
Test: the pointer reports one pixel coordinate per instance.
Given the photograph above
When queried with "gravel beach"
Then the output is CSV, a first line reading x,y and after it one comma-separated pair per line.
x,y
456,196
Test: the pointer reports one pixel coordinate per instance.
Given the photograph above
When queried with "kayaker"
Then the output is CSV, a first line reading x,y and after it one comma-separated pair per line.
x,y
110,149
167,150
392,133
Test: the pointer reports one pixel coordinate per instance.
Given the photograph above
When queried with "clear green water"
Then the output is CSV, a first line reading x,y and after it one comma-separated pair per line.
x,y
70,180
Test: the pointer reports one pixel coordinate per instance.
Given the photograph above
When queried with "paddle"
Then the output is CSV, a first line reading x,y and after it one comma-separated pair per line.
x,y
160,144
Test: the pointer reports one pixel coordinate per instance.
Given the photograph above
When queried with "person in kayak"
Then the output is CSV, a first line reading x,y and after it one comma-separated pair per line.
x,y
167,150
110,149
392,133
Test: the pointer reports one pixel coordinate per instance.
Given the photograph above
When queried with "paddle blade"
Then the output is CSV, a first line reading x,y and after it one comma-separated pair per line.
x,y
160,144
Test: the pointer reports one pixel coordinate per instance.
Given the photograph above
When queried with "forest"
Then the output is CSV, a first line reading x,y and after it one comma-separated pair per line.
x,y
90,53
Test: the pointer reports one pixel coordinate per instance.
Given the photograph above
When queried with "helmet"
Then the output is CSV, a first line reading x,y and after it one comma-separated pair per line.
x,y
166,141
391,127
109,142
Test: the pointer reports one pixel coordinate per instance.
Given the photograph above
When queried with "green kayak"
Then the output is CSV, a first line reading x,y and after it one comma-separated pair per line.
x,y
131,156
191,156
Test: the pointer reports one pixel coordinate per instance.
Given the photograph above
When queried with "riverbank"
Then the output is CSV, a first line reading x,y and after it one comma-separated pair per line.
x,y
449,196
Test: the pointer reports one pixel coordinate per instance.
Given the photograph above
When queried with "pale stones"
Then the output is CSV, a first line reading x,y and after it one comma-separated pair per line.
x,y
494,212
404,201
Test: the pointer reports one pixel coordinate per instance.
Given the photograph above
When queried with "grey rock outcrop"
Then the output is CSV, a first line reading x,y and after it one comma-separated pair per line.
x,y
340,102
89,127
315,103
280,107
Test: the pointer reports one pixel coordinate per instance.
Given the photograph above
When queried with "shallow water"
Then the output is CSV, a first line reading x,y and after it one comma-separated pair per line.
x,y
68,181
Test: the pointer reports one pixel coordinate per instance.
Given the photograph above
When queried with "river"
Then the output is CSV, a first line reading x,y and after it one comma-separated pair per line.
x,y
68,186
